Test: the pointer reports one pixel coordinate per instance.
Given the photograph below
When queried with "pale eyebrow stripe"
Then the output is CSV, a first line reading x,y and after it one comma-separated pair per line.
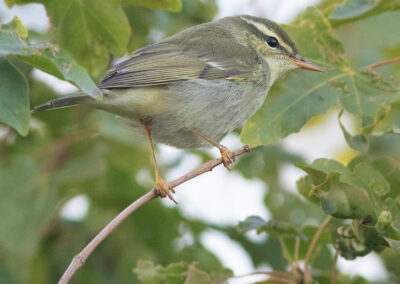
x,y
260,29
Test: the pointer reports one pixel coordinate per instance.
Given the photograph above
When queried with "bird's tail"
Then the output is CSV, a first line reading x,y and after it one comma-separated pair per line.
x,y
62,102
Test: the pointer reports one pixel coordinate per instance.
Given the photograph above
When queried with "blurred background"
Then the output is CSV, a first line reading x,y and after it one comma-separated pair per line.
x,y
78,168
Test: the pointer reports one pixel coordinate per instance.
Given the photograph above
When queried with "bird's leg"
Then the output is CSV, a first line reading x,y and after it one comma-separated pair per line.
x,y
162,186
227,157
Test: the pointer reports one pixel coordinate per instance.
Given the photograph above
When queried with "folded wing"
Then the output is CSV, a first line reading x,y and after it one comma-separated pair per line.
x,y
165,63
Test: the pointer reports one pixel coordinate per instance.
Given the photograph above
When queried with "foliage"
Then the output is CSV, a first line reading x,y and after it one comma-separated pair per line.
x,y
48,158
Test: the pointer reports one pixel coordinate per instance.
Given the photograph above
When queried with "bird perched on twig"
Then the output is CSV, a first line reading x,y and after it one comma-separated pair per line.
x,y
193,88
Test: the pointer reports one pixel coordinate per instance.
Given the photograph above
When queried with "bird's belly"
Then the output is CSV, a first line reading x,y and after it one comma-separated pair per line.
x,y
178,112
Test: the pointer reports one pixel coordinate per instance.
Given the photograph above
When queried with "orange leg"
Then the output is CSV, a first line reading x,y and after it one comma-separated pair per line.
x,y
226,154
162,186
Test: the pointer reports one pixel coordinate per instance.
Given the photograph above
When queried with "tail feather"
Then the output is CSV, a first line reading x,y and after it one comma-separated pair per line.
x,y
61,102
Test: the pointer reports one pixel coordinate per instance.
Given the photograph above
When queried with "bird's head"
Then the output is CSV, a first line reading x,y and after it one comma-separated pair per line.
x,y
276,48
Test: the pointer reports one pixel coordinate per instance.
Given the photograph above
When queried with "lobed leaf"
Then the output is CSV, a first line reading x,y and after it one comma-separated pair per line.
x,y
343,192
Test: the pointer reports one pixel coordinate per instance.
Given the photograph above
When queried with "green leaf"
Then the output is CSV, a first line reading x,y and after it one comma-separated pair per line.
x,y
389,167
347,202
390,122
344,193
180,272
14,99
347,244
394,244
386,145
169,5
288,107
304,94
357,142
29,202
46,57
16,27
147,272
352,10
367,94
251,223
320,169
196,276
89,30
371,179
274,228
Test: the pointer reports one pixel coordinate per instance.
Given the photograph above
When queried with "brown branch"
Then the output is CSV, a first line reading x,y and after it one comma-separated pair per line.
x,y
334,270
384,62
80,258
307,276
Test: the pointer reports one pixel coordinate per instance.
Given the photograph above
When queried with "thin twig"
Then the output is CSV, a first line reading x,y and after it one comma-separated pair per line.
x,y
80,258
307,275
285,252
296,250
334,271
295,266
384,62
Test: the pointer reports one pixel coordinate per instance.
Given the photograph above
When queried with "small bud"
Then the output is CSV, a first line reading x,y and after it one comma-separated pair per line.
x,y
385,217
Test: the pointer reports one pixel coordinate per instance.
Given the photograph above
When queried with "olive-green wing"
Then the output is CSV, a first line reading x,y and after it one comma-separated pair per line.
x,y
166,63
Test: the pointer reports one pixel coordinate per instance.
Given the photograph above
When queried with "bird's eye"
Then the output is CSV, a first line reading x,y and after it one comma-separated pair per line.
x,y
271,41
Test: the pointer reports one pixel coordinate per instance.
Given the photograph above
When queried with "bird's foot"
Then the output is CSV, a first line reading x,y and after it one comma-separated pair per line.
x,y
164,189
227,157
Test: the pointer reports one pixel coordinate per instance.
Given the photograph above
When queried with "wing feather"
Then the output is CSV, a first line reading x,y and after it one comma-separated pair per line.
x,y
166,63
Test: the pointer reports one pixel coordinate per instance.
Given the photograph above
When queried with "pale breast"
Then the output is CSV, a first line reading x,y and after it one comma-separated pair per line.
x,y
176,112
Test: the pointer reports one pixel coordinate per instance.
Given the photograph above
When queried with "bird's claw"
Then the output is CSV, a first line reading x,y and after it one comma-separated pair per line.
x,y
164,189
227,157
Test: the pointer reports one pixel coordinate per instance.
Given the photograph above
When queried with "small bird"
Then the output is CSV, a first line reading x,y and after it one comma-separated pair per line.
x,y
196,86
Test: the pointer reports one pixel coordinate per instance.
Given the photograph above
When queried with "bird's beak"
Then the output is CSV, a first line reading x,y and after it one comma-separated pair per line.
x,y
305,64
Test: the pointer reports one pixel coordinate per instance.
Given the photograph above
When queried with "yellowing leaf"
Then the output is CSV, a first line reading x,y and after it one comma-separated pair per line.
x,y
16,27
